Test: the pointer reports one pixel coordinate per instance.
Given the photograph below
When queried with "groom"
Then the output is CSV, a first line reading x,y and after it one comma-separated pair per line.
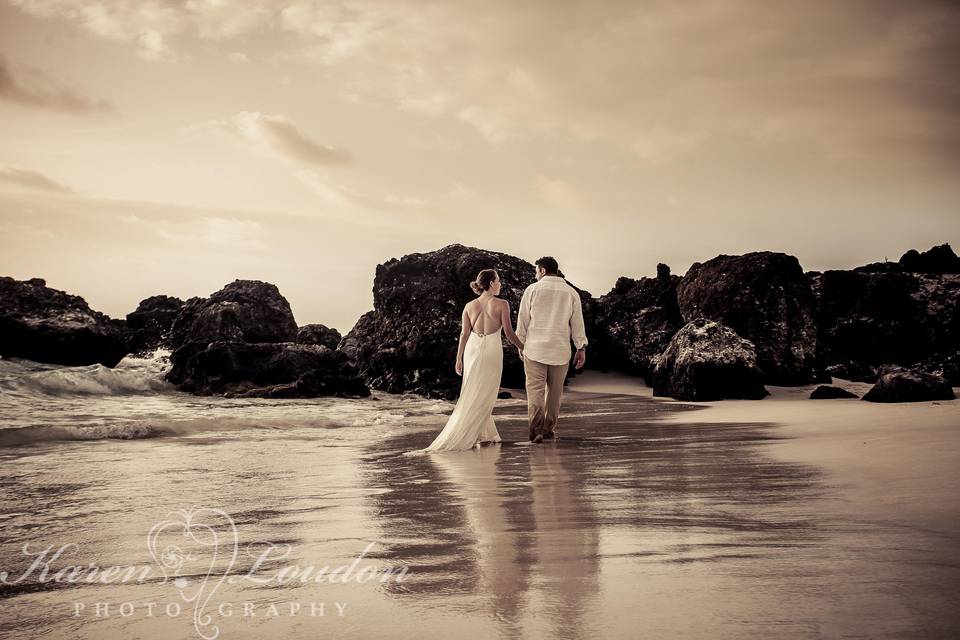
x,y
550,316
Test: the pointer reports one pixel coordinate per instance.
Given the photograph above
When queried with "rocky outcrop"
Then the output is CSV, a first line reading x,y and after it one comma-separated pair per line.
x,y
243,311
408,342
241,340
271,370
849,370
592,327
48,325
706,360
634,323
870,318
149,325
939,259
319,334
826,392
945,364
764,297
897,384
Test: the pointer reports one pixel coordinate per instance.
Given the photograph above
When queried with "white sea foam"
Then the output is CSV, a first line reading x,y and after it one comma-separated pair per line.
x,y
52,403
130,376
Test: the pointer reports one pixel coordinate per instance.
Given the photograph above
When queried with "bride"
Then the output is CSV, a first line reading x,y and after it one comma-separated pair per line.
x,y
480,362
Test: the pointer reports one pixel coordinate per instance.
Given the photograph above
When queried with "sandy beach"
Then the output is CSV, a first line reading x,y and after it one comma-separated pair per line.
x,y
783,517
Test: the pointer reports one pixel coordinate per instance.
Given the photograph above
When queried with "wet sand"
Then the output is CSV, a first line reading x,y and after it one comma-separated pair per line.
x,y
648,518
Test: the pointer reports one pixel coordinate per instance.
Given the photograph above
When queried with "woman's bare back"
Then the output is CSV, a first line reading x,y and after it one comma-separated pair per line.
x,y
484,316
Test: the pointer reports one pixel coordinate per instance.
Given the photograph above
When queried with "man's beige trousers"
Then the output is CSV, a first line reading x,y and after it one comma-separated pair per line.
x,y
544,390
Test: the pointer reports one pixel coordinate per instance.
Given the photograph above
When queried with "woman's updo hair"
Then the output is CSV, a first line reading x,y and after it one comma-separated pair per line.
x,y
484,279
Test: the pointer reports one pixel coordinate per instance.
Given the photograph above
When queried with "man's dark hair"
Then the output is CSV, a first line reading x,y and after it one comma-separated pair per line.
x,y
549,265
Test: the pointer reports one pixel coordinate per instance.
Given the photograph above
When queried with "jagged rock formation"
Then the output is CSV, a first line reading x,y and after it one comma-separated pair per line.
x,y
827,392
271,370
49,325
408,342
707,360
764,297
240,340
870,318
244,311
149,325
319,334
898,384
634,323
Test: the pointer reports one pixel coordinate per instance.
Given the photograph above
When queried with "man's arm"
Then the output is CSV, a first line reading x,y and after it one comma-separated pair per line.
x,y
577,331
523,315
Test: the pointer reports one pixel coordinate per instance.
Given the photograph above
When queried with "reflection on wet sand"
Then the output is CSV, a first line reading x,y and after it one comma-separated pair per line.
x,y
567,544
495,546
647,518
524,532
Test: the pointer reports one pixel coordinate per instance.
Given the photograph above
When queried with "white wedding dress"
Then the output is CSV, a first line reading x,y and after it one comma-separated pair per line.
x,y
471,422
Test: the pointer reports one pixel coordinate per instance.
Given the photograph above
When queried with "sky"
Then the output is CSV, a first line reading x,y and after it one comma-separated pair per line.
x,y
171,147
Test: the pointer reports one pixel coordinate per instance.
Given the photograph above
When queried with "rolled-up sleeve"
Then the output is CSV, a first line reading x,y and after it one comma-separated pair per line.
x,y
523,315
577,331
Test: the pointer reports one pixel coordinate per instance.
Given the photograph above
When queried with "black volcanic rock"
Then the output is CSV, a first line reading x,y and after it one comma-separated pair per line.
x,y
408,342
826,392
870,318
244,310
271,370
897,384
634,323
939,259
241,340
849,370
150,323
48,325
945,363
319,334
706,360
590,309
764,297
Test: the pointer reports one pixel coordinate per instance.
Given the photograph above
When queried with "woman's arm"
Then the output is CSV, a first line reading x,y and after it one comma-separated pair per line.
x,y
464,334
508,327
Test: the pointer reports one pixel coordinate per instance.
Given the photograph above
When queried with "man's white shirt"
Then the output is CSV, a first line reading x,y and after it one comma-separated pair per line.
x,y
550,316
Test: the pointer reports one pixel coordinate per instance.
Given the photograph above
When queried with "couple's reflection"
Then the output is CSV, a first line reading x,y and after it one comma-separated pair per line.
x,y
533,533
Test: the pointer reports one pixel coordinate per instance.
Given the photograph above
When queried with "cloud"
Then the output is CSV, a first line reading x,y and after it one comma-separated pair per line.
x,y
151,24
343,197
153,46
557,192
664,81
33,180
277,135
205,231
33,88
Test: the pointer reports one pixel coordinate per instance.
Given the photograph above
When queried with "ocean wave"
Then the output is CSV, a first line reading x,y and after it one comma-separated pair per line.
x,y
30,435
54,403
130,377
261,421
135,429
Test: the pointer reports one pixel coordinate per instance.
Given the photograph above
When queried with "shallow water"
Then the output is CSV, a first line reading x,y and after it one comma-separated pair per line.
x,y
642,521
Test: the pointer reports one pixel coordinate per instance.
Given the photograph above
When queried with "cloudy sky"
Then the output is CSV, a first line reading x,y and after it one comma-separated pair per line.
x,y
171,147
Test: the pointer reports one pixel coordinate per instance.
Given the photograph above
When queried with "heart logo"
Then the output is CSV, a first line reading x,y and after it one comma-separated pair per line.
x,y
196,550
